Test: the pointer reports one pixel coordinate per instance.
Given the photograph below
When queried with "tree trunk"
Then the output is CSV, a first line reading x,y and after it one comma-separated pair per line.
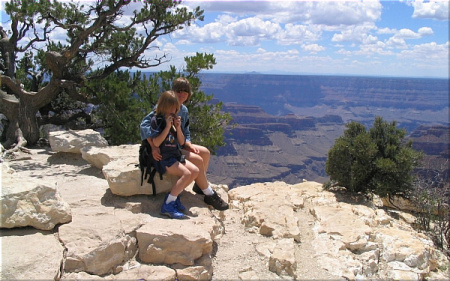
x,y
21,109
28,121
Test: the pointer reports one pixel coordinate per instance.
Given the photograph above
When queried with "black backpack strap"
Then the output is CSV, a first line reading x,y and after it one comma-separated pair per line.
x,y
152,166
152,181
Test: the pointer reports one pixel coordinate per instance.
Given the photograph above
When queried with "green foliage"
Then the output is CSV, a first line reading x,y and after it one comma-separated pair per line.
x,y
375,161
96,39
119,108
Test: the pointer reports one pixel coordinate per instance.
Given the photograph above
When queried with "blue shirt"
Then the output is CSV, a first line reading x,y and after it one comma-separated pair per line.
x,y
145,126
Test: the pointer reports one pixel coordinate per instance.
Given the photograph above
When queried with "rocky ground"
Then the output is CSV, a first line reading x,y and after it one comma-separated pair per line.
x,y
263,218
237,255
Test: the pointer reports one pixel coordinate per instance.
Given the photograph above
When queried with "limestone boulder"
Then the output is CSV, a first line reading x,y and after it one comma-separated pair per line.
x,y
404,250
96,243
282,260
29,254
101,156
73,141
259,202
350,240
182,242
124,179
31,202
119,165
134,271
148,272
341,223
193,273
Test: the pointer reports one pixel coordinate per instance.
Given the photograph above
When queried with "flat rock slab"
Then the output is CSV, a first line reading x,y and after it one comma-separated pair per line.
x,y
30,254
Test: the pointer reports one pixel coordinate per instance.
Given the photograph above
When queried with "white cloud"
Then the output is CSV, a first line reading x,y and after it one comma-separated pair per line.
x,y
312,12
313,48
398,40
387,30
424,31
294,34
354,33
253,27
210,33
430,52
345,12
396,43
434,9
370,50
405,33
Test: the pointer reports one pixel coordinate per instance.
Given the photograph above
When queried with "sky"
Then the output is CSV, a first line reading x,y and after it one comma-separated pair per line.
x,y
363,38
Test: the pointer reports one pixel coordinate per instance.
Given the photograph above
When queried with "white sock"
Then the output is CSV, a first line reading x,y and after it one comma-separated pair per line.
x,y
208,191
170,198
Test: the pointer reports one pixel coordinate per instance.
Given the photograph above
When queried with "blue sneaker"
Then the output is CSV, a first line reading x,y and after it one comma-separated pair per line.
x,y
179,206
171,211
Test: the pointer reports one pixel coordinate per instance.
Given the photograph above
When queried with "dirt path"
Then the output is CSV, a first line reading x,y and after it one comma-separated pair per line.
x,y
237,256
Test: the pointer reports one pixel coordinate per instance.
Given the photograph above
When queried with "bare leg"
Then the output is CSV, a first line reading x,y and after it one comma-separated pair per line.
x,y
205,154
187,173
197,160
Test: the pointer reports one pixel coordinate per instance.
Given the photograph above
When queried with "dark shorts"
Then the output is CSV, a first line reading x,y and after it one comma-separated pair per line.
x,y
167,163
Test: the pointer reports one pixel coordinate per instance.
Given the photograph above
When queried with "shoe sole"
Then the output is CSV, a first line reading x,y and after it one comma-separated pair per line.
x,y
219,209
172,217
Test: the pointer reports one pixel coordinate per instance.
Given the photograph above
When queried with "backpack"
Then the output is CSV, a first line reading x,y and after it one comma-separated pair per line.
x,y
147,164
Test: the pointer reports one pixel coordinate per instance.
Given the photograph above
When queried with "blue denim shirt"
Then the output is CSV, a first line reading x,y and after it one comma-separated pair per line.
x,y
146,131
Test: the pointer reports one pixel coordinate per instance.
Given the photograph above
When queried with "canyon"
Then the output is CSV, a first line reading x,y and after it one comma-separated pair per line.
x,y
283,126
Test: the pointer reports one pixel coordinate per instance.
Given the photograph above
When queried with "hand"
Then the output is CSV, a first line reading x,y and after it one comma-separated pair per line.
x,y
177,122
169,119
156,153
194,149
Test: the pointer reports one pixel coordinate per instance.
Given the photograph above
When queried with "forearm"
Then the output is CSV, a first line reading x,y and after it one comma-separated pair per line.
x,y
180,137
158,140
150,141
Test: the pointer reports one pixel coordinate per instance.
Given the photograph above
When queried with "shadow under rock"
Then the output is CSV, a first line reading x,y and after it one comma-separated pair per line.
x,y
59,158
27,166
148,204
23,231
92,171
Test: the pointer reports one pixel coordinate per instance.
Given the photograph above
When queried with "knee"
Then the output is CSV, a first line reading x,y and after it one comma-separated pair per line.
x,y
193,171
197,160
206,153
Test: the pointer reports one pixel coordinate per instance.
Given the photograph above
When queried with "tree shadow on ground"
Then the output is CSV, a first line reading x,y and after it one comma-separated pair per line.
x,y
342,195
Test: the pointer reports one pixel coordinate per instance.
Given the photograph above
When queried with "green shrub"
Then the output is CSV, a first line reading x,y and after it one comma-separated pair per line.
x,y
376,161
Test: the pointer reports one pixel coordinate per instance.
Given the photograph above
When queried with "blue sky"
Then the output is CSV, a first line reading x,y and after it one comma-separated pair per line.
x,y
370,38
375,38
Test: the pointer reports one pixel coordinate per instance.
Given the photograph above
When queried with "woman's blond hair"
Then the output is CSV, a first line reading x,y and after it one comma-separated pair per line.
x,y
166,101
